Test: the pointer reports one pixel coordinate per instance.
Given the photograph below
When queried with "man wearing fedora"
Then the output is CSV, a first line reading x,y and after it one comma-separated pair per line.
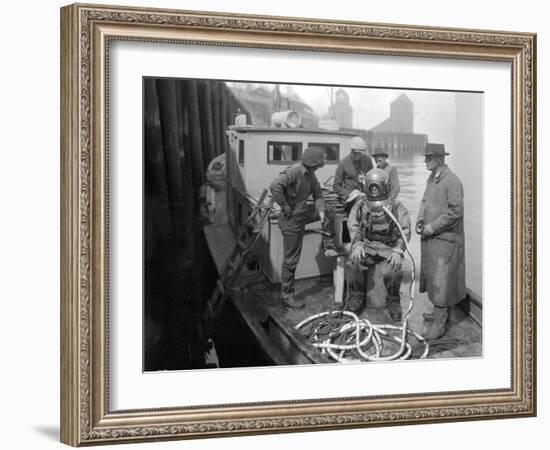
x,y
440,225
380,158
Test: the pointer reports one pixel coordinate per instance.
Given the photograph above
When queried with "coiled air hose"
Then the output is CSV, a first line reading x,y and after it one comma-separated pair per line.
x,y
346,338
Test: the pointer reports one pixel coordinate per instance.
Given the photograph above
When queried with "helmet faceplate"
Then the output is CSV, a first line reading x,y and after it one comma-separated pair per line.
x,y
375,185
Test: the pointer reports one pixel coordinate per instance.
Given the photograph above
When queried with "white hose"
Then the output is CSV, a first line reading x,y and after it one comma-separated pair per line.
x,y
362,334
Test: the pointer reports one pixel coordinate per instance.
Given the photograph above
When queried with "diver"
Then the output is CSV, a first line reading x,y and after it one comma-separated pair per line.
x,y
377,247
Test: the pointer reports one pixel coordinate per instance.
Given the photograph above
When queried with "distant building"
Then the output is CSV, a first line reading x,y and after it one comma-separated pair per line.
x,y
401,118
395,135
341,111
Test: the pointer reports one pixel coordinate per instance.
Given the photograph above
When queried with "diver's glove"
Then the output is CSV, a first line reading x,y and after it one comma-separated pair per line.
x,y
395,260
357,253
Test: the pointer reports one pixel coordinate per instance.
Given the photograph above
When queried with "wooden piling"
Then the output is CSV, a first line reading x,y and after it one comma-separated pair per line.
x,y
205,102
171,136
224,122
215,100
192,101
155,181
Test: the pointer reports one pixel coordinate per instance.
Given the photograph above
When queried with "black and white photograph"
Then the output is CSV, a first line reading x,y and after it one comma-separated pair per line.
x,y
294,224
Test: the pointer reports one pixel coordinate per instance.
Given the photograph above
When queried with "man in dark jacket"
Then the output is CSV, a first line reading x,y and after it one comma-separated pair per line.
x,y
440,224
291,190
350,168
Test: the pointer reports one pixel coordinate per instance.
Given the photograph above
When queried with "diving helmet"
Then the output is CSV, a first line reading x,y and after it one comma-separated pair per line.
x,y
375,187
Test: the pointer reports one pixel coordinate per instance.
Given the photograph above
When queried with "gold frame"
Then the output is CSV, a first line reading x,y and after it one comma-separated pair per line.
x,y
86,31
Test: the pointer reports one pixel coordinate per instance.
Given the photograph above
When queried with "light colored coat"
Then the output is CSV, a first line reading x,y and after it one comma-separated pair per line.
x,y
442,273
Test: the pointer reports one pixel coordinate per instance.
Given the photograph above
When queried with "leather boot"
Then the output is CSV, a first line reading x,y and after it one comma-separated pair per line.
x,y
394,308
439,324
329,236
292,302
328,243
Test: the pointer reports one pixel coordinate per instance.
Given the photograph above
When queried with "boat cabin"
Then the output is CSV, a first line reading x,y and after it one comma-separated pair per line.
x,y
255,157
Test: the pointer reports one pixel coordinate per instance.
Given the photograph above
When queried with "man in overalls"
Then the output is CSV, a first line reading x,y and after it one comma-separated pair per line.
x,y
377,247
291,190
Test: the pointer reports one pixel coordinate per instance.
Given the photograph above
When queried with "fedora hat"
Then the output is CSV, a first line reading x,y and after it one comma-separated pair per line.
x,y
378,151
435,149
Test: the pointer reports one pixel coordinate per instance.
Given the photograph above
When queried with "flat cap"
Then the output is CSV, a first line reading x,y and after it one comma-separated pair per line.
x,y
313,157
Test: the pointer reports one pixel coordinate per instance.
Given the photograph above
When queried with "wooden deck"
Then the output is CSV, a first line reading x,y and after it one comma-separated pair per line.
x,y
273,325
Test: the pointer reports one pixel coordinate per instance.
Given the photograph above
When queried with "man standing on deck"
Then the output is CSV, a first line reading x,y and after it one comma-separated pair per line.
x,y
291,190
440,224
380,158
377,247
356,164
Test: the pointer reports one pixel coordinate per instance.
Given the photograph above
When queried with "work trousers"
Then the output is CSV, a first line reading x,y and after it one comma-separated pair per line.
x,y
382,282
292,246
293,230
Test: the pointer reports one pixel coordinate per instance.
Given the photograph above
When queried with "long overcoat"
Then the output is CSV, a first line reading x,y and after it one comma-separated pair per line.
x,y
442,272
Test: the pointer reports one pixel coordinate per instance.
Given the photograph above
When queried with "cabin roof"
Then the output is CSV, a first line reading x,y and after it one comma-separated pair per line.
x,y
322,131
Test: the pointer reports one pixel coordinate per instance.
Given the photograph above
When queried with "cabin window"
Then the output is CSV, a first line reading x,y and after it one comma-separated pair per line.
x,y
241,152
331,151
283,152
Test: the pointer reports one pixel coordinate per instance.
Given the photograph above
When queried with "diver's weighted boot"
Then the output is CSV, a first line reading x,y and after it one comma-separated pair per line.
x,y
439,324
355,302
394,308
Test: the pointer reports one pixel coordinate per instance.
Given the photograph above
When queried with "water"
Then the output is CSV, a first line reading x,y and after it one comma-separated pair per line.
x,y
412,177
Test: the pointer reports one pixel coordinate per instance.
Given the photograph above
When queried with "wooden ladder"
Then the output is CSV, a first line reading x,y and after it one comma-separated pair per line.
x,y
249,232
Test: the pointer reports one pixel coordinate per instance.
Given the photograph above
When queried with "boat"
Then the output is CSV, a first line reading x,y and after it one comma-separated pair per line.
x,y
255,156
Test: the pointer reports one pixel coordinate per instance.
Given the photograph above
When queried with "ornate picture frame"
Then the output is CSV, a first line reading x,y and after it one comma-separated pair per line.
x,y
87,31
